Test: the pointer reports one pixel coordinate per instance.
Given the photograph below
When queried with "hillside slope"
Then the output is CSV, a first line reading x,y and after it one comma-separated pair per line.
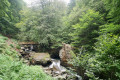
x,y
13,69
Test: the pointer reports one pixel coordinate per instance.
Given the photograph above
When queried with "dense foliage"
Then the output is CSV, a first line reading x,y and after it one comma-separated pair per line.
x,y
42,23
86,30
105,62
9,15
96,38
92,27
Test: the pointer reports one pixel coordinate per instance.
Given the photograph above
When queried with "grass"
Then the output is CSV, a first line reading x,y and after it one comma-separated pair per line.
x,y
13,69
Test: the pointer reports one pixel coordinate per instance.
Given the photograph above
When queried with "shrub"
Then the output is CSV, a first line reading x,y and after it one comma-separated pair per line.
x,y
16,70
105,62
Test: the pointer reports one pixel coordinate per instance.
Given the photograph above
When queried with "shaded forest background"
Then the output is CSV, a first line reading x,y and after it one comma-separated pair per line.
x,y
92,27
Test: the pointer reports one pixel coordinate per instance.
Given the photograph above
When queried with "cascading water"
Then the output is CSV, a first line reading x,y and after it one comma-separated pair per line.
x,y
58,69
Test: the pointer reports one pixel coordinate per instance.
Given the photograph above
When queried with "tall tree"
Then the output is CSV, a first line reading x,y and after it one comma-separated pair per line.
x,y
86,30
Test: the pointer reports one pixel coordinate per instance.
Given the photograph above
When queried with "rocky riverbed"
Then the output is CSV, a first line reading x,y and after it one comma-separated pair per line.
x,y
51,66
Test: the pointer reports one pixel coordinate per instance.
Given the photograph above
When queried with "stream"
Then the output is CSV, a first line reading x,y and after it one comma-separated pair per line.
x,y
50,66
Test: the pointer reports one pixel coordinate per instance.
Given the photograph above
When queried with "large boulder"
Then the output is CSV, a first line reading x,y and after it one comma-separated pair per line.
x,y
66,55
40,59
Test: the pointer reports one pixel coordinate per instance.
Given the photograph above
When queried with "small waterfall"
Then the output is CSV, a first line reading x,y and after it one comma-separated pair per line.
x,y
58,69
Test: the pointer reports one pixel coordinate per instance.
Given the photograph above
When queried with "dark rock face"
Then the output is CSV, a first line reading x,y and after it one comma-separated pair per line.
x,y
54,53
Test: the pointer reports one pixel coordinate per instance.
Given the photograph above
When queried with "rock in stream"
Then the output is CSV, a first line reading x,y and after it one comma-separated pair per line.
x,y
40,59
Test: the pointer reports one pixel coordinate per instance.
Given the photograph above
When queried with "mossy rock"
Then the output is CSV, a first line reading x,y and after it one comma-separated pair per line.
x,y
40,58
